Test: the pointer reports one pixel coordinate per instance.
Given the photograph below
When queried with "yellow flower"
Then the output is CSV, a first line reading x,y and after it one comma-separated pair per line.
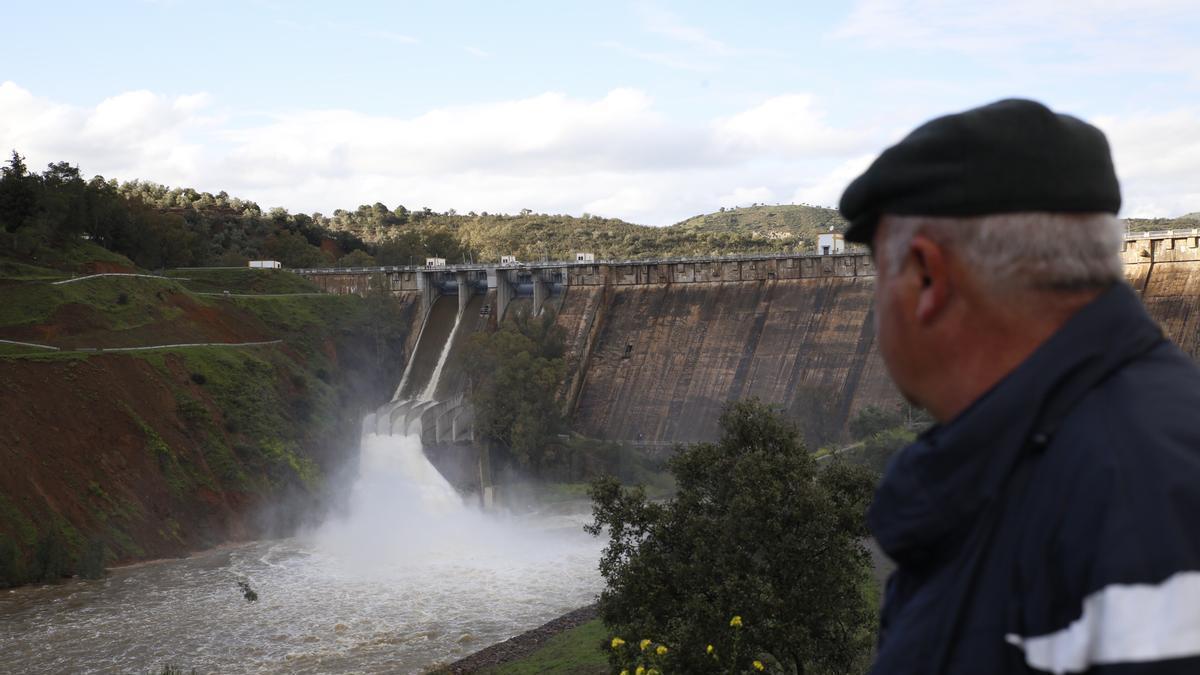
x,y
710,649
617,642
736,621
758,665
645,643
662,649
640,671
652,671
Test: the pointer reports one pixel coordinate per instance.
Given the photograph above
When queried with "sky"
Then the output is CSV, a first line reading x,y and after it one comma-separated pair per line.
x,y
647,111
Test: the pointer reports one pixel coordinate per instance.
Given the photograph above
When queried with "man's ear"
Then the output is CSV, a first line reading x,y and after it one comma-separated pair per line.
x,y
930,266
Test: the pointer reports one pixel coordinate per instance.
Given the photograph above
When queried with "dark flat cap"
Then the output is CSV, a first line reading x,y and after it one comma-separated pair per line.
x,y
1009,156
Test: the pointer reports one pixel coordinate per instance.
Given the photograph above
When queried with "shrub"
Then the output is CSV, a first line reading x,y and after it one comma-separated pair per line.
x,y
11,572
91,564
50,557
755,531
872,420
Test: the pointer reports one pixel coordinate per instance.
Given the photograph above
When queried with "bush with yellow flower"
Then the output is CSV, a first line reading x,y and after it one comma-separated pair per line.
x,y
759,556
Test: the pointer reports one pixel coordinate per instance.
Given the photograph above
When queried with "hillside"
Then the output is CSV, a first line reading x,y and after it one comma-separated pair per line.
x,y
157,227
1184,222
130,454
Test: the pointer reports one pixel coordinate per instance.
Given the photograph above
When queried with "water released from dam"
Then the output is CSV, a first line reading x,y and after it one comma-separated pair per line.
x,y
409,576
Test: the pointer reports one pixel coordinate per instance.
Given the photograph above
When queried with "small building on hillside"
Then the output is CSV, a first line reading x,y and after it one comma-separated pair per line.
x,y
266,264
585,257
434,263
509,260
831,243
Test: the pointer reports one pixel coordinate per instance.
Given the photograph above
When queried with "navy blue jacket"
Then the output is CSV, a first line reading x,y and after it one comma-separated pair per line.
x,y
1054,525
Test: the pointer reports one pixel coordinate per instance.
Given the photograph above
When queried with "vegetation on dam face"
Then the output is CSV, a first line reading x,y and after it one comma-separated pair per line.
x,y
129,455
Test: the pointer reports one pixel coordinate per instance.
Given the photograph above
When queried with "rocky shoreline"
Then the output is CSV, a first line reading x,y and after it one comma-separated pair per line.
x,y
518,646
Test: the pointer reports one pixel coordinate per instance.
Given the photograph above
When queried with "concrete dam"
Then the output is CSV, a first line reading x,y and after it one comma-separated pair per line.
x,y
655,348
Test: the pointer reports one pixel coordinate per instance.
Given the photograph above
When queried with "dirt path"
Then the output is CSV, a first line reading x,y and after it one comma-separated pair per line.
x,y
115,274
145,348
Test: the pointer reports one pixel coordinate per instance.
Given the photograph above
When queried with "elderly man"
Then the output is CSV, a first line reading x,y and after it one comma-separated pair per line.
x,y
1050,521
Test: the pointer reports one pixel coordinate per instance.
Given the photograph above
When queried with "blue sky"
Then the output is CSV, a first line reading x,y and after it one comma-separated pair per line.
x,y
648,111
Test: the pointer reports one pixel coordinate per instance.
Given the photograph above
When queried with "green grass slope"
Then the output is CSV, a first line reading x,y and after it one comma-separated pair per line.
x,y
577,651
242,280
135,454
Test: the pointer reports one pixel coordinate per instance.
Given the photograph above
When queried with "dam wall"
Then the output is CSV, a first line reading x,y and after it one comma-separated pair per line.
x,y
655,348
657,361
1165,270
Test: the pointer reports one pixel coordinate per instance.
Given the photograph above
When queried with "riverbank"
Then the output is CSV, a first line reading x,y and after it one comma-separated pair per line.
x,y
506,655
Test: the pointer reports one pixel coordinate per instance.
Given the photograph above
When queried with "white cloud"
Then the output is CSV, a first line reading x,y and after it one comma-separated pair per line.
x,y
132,131
1157,156
791,124
827,190
745,196
476,51
616,155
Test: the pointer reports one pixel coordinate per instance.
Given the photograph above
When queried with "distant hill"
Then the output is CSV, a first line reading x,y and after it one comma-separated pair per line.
x,y
156,227
533,236
778,222
1184,222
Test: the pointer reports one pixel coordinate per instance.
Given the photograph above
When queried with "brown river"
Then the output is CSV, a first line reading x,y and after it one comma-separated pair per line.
x,y
410,578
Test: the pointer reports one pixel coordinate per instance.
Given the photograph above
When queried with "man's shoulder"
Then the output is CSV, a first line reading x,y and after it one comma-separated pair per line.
x,y
1107,554
1149,405
1122,476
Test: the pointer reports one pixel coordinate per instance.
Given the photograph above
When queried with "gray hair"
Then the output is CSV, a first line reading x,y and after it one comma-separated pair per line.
x,y
1030,251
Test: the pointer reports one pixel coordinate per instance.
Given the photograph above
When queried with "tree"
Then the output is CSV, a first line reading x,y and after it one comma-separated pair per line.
x,y
356,258
871,420
292,249
755,531
18,194
512,377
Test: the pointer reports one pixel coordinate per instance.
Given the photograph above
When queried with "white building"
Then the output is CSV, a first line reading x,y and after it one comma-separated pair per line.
x,y
509,260
434,263
830,243
266,264
585,257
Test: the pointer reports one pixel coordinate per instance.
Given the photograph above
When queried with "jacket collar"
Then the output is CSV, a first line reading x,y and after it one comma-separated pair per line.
x,y
938,485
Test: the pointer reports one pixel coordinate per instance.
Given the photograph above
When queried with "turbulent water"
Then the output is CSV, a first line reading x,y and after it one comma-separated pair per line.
x,y
410,577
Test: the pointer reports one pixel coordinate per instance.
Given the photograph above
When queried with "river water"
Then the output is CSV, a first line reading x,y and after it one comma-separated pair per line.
x,y
408,578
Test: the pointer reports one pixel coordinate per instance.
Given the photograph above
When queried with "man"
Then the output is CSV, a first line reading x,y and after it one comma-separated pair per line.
x,y
1050,521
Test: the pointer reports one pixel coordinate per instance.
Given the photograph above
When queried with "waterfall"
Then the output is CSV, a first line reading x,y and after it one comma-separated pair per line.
x,y
412,358
431,388
401,507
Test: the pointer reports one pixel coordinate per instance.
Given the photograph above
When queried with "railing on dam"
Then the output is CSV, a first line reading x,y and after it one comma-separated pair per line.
x,y
1162,234
546,264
